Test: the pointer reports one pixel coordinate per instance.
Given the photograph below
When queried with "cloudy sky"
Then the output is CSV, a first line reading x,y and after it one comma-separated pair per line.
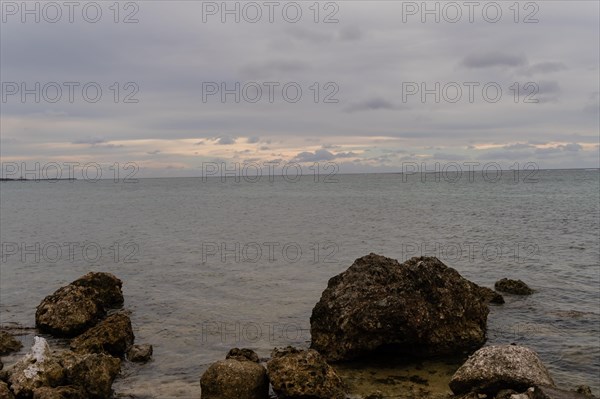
x,y
369,85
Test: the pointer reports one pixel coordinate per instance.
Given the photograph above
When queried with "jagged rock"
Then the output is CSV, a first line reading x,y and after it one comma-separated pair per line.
x,y
5,393
516,287
420,307
235,379
140,353
74,308
242,355
68,311
493,368
8,343
492,296
298,373
550,392
63,392
585,390
36,369
112,336
108,288
94,372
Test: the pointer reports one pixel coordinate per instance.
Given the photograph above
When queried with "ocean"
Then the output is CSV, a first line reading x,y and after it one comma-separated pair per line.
x,y
211,264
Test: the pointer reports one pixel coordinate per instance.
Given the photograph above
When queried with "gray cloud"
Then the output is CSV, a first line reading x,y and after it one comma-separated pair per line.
x,y
487,60
544,67
351,33
372,105
90,140
225,140
321,155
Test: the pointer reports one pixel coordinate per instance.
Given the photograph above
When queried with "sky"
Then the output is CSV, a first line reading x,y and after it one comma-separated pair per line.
x,y
371,86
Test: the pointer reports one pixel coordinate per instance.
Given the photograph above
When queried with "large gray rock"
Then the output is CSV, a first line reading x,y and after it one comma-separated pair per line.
x,y
420,307
113,336
35,370
300,374
74,308
493,368
8,343
235,379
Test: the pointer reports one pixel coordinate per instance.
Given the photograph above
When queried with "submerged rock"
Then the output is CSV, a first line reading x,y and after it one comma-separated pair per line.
x,y
516,287
235,379
243,354
492,296
299,374
94,372
74,308
419,307
8,343
36,369
585,390
493,368
140,353
113,336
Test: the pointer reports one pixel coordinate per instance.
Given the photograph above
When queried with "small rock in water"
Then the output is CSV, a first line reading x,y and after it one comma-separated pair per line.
x,y
494,368
8,343
492,296
516,287
140,353
298,373
242,355
585,390
234,379
113,336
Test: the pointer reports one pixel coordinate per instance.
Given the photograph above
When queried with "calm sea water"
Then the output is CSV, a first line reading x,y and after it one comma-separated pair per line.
x,y
208,265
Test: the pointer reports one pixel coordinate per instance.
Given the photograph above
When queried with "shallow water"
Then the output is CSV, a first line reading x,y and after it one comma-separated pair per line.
x,y
194,301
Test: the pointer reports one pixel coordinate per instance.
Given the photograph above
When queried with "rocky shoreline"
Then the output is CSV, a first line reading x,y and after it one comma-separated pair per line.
x,y
420,308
